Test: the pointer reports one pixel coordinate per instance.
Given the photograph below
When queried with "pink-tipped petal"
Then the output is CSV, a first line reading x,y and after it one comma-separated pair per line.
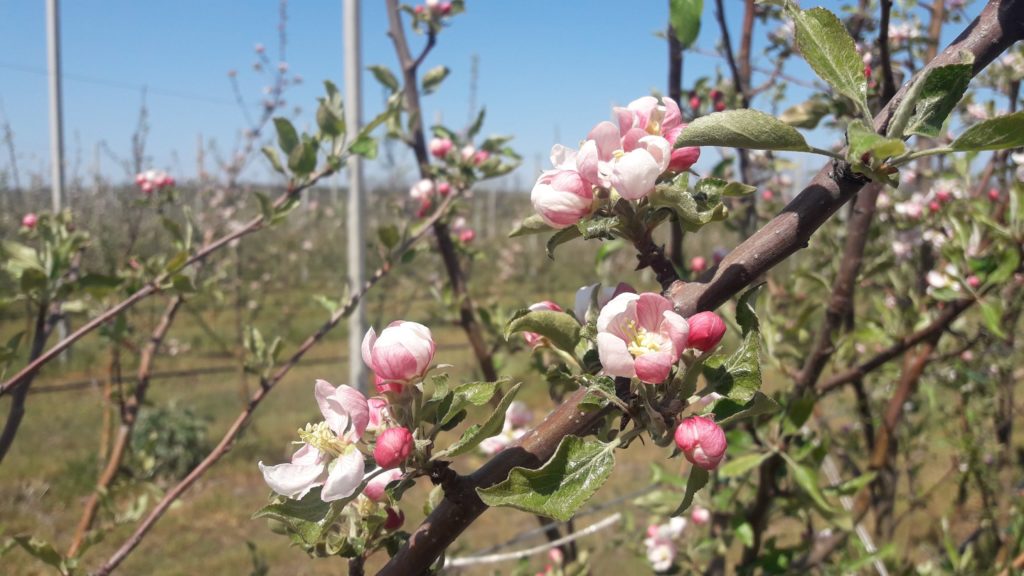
x,y
368,340
615,357
344,477
677,329
650,308
653,367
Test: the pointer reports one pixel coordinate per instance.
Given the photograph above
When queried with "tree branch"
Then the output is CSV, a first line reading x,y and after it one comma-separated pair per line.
x,y
1000,24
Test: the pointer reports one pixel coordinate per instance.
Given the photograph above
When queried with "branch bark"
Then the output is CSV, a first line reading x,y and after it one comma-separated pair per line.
x,y
1000,24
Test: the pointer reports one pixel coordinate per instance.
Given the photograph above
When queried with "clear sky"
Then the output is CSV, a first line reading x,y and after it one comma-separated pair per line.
x,y
549,70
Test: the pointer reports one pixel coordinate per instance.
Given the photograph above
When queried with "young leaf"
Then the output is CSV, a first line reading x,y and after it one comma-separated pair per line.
x,y
739,466
863,140
807,479
287,137
309,517
806,114
365,146
997,133
385,77
576,470
561,237
742,129
477,433
831,52
560,328
723,187
433,78
684,15
728,410
939,94
530,225
739,377
698,479
274,158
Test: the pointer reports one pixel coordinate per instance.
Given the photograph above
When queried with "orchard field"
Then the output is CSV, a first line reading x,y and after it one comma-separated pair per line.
x,y
758,319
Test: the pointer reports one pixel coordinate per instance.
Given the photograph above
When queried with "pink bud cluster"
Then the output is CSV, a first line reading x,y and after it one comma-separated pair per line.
x,y
461,229
152,180
661,543
433,8
641,336
627,156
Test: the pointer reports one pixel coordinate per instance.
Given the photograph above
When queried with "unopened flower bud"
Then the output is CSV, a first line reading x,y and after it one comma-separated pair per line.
x,y
440,147
702,441
767,195
993,194
29,221
698,264
700,515
706,331
394,446
394,520
719,105
973,281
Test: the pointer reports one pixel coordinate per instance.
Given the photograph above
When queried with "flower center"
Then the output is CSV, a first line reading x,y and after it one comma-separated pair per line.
x,y
642,341
321,437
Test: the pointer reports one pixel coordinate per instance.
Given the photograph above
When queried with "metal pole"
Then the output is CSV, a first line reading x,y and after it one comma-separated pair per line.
x,y
56,119
356,207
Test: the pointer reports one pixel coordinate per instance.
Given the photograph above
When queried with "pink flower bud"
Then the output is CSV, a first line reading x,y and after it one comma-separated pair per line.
x,y
702,441
444,188
698,264
700,515
440,147
446,8
934,206
401,353
767,195
147,187
376,489
394,520
967,356
378,412
259,48
694,102
140,178
556,556
282,67
394,446
419,9
467,236
943,195
993,194
561,198
29,221
533,339
706,331
973,281
719,106
424,208
481,157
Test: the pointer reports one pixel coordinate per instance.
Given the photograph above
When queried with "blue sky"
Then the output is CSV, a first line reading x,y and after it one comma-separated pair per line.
x,y
548,69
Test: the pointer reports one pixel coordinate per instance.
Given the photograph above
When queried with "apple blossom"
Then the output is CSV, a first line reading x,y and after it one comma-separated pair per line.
x,y
533,340
422,190
378,407
702,441
394,446
29,220
700,515
706,331
661,555
640,335
698,264
518,414
345,415
561,198
467,151
376,488
440,147
401,353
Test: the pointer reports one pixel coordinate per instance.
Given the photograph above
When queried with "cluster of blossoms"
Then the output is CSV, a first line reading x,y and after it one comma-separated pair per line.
x,y
624,158
433,9
461,229
152,180
517,421
661,538
717,100
333,452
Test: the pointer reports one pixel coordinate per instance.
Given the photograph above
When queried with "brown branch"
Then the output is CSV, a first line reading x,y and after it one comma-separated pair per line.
x,y
841,299
418,143
998,27
46,320
888,83
267,385
129,414
152,287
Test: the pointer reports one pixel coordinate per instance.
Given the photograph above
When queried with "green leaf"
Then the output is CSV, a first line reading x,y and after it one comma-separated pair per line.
x,y
576,470
433,78
468,394
561,237
287,137
723,187
560,328
806,114
477,433
742,129
996,133
728,410
831,52
734,467
853,485
599,388
684,15
302,160
474,128
385,77
309,518
530,225
43,551
869,147
330,121
746,315
1008,263
274,158
807,479
698,479
98,285
365,146
388,236
692,209
938,95
739,377
992,316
